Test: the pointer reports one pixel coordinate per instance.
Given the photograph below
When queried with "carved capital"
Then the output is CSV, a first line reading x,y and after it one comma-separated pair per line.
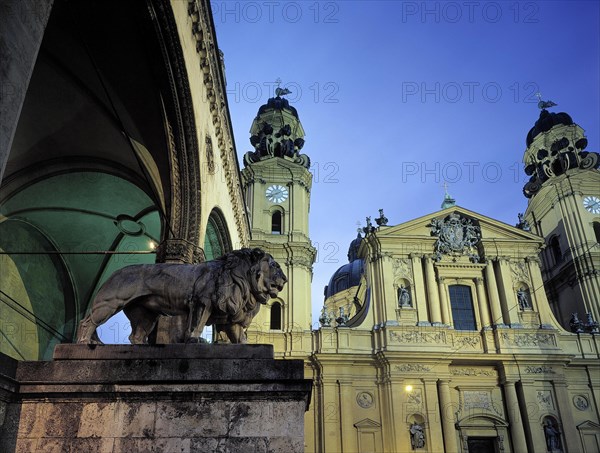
x,y
478,280
179,251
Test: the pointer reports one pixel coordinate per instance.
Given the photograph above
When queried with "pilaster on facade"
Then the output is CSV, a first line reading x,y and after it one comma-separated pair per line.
x,y
494,296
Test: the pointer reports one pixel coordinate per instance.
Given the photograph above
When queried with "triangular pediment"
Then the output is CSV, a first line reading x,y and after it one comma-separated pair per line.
x,y
490,228
588,425
367,423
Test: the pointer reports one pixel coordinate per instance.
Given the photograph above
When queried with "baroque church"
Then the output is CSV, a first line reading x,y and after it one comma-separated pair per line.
x,y
452,332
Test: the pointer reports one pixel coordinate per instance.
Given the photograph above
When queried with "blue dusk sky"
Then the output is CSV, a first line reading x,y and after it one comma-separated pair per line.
x,y
398,96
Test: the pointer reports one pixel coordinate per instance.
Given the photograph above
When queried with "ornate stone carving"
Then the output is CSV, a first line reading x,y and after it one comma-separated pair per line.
x,y
581,402
519,272
211,64
467,341
529,339
419,337
210,155
476,399
402,269
179,251
415,367
544,398
543,369
414,397
457,236
472,372
365,399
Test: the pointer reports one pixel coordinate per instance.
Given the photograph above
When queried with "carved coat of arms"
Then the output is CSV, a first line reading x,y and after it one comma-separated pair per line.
x,y
456,236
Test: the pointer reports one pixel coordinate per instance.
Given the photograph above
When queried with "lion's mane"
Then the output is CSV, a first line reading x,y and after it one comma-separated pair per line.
x,y
236,276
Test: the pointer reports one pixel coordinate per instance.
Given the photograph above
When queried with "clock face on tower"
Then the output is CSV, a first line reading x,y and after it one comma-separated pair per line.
x,y
592,204
276,193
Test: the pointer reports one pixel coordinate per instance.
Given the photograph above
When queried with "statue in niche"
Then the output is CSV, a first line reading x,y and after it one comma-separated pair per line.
x,y
404,299
552,437
417,436
226,292
523,298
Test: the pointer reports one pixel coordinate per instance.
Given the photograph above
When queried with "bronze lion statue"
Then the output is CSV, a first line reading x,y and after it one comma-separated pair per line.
x,y
227,292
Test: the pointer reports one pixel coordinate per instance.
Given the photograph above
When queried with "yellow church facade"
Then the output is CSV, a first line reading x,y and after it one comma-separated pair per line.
x,y
473,355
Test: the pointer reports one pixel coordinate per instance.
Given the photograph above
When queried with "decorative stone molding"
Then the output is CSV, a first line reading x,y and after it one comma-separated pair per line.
x,y
419,337
520,272
305,262
461,341
414,397
365,399
211,64
543,369
581,402
544,399
403,269
210,155
179,251
412,367
528,339
478,400
456,236
472,372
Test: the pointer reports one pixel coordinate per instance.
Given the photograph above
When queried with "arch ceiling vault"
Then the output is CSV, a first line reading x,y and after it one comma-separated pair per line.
x,y
104,159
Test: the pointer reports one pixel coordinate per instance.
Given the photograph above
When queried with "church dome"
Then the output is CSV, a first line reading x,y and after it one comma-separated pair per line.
x,y
547,121
349,274
345,277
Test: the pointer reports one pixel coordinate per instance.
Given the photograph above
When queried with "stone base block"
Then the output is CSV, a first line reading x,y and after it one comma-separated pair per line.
x,y
165,398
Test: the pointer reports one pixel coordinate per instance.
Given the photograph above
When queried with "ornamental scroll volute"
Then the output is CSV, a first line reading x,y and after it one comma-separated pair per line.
x,y
456,236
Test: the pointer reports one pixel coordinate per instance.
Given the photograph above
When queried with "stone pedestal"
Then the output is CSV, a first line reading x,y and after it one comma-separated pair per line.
x,y
164,398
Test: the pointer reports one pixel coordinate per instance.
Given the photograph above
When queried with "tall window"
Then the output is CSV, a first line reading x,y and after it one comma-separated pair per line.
x,y
462,307
275,316
216,239
276,223
555,251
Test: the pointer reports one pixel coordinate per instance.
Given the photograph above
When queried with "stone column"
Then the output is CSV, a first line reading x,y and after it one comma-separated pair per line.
x,y
570,435
419,290
432,405
22,25
539,300
484,311
533,431
446,319
514,417
508,299
432,292
447,410
492,287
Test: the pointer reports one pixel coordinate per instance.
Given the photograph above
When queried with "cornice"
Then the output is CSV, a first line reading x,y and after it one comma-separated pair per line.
x,y
203,32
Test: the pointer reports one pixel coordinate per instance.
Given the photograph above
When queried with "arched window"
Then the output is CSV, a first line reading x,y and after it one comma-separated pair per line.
x,y
597,231
216,239
275,316
461,302
555,251
276,223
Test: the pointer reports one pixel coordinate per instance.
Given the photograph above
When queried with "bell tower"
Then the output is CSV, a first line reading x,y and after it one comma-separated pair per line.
x,y
277,185
564,208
